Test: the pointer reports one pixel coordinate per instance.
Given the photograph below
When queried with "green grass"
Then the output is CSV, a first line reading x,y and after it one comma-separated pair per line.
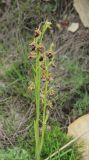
x,y
17,77
24,19
77,76
14,154
54,139
75,80
82,104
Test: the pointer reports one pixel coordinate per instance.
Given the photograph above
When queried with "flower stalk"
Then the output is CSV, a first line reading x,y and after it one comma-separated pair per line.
x,y
43,61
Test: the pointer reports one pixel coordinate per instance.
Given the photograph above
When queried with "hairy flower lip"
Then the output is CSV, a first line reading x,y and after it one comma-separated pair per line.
x,y
50,54
41,49
37,32
49,78
32,55
41,58
33,46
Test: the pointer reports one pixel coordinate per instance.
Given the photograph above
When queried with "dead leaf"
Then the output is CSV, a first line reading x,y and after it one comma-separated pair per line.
x,y
64,23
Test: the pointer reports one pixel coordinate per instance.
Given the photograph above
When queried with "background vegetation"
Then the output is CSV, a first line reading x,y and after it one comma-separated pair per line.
x,y
18,20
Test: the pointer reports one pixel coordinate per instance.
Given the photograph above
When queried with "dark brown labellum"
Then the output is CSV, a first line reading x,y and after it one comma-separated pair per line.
x,y
41,49
32,55
37,32
49,55
41,58
33,47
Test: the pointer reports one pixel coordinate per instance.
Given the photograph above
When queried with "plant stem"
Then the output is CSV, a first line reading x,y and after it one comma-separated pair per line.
x,y
45,105
37,95
39,139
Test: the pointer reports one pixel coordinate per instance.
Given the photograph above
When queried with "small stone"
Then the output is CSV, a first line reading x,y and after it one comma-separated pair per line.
x,y
80,127
82,7
73,27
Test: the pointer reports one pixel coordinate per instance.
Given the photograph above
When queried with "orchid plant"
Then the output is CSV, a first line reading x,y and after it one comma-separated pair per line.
x,y
43,60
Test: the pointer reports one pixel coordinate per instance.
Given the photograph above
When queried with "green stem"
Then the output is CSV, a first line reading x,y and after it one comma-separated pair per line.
x,y
37,95
40,139
44,117
45,105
